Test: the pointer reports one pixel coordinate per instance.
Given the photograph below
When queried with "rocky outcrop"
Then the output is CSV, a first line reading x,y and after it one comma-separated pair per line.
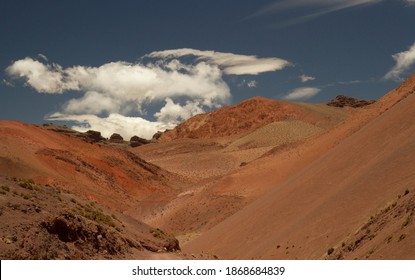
x,y
347,101
136,141
116,138
91,136
156,136
94,135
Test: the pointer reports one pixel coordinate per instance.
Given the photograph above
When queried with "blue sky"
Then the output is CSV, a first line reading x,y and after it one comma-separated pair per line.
x,y
135,67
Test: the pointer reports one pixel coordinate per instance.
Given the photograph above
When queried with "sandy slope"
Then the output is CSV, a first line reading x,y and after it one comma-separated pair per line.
x,y
216,164
249,115
348,174
200,153
111,176
261,179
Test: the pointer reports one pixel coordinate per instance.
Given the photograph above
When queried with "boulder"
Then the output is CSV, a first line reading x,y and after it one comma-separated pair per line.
x,y
136,141
156,136
94,135
115,137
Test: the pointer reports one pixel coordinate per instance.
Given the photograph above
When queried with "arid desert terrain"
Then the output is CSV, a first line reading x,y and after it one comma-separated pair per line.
x,y
263,179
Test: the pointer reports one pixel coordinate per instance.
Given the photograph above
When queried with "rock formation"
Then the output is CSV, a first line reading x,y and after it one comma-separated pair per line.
x,y
347,101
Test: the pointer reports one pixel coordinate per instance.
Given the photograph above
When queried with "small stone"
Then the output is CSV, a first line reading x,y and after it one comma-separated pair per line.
x,y
7,240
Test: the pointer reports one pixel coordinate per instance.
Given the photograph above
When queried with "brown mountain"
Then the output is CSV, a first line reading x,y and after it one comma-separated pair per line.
x,y
111,176
248,116
263,179
353,199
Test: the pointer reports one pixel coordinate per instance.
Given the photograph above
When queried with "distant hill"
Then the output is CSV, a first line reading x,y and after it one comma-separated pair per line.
x,y
248,116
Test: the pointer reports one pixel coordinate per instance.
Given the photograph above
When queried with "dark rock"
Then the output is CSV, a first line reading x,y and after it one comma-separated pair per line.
x,y
346,101
156,136
94,135
136,141
115,137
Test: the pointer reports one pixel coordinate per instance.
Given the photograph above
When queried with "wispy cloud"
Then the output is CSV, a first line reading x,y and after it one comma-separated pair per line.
x,y
42,56
404,61
302,93
248,83
309,9
179,88
305,78
231,64
252,84
410,2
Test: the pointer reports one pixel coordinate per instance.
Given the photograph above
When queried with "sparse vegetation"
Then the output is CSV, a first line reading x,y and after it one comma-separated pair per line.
x,y
5,188
389,238
330,251
158,233
27,184
94,215
402,237
406,222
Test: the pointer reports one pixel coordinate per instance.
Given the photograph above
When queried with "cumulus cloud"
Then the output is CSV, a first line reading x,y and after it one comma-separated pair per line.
x,y
231,64
172,113
310,9
302,93
404,61
113,92
305,78
43,78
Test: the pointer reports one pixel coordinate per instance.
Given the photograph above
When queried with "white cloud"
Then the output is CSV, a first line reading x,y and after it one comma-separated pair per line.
x,y
305,78
316,8
123,83
114,123
6,83
43,78
302,93
232,64
172,113
252,84
349,82
113,92
42,56
121,88
404,61
248,83
410,2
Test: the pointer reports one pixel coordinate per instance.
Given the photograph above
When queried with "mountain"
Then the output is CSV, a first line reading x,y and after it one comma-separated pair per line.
x,y
354,199
221,168
114,177
263,179
62,190
248,116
